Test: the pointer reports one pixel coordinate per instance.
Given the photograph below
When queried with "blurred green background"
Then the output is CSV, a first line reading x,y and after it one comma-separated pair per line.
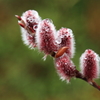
x,y
23,73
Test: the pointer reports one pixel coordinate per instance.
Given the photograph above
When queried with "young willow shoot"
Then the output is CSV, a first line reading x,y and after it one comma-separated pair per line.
x,y
41,34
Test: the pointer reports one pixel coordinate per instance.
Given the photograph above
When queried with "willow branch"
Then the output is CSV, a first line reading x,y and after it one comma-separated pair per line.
x,y
92,83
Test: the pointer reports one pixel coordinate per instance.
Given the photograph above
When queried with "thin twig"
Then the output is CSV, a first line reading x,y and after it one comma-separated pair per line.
x,y
92,83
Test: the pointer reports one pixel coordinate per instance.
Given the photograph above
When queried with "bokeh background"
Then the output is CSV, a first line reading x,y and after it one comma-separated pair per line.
x,y
23,73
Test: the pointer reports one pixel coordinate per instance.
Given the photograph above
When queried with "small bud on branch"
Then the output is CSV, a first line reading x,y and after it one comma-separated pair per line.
x,y
18,17
61,51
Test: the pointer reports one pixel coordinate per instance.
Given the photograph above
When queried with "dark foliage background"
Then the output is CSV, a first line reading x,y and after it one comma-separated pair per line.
x,y
23,74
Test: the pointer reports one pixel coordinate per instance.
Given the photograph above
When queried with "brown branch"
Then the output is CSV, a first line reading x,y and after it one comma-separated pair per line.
x,y
92,83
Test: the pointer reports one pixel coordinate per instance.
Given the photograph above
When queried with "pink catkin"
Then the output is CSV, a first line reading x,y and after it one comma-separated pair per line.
x,y
66,38
31,20
65,67
89,63
45,36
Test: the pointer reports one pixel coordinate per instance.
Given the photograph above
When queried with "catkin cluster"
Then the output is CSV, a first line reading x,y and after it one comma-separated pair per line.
x,y
60,44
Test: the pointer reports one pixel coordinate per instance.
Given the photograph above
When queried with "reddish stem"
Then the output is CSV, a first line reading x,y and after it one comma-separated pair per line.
x,y
92,83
